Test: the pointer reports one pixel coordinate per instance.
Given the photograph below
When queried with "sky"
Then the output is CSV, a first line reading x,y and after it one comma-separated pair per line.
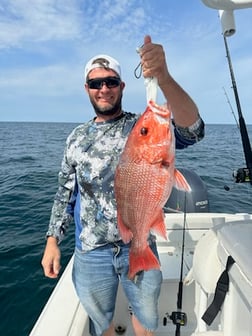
x,y
45,44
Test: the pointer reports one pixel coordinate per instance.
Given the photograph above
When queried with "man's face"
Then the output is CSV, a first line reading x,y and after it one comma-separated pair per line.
x,y
106,98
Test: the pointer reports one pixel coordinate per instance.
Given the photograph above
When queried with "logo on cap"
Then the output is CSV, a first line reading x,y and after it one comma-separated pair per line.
x,y
102,62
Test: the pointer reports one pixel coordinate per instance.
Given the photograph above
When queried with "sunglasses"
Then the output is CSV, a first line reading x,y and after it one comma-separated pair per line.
x,y
97,83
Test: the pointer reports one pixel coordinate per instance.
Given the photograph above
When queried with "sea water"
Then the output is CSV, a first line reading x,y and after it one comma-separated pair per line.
x,y
30,157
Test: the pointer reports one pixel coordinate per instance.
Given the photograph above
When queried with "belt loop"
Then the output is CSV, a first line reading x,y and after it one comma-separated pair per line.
x,y
116,249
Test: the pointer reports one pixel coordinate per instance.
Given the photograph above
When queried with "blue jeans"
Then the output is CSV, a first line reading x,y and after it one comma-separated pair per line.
x,y
96,275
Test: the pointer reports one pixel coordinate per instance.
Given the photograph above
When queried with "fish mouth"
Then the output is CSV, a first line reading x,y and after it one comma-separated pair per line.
x,y
162,111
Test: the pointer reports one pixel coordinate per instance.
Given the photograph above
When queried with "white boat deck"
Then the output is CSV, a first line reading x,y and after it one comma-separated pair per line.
x,y
64,316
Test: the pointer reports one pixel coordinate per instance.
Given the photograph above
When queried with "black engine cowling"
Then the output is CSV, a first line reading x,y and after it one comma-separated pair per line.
x,y
194,201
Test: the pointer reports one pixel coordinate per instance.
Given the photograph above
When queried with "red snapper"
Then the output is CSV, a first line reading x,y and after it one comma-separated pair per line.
x,y
144,179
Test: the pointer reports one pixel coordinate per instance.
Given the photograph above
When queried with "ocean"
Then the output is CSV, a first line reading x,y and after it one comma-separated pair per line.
x,y
30,158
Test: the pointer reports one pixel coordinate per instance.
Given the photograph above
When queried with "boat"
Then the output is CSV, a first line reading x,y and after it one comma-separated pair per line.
x,y
205,261
210,238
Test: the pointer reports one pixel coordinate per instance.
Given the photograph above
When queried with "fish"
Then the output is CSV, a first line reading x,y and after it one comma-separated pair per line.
x,y
144,178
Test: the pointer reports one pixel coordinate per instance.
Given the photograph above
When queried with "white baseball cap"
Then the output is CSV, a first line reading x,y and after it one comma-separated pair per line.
x,y
102,61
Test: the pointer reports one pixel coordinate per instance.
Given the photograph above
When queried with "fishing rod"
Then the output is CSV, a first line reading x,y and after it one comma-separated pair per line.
x,y
179,318
242,174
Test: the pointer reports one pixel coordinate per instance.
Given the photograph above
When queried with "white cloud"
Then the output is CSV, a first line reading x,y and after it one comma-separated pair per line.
x,y
40,20
50,40
54,80
114,20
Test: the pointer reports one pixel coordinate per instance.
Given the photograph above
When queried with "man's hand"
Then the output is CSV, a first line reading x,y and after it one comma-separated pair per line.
x,y
153,61
51,258
184,110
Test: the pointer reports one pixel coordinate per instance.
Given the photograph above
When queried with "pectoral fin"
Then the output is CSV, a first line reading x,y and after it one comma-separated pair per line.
x,y
125,232
180,181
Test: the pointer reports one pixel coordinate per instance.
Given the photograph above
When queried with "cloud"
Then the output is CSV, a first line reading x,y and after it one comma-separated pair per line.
x,y
116,20
24,21
52,80
45,44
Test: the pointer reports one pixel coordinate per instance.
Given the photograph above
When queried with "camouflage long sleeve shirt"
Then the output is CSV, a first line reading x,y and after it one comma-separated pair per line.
x,y
86,179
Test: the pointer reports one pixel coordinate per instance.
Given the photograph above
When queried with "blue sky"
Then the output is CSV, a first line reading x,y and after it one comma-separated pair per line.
x,y
44,45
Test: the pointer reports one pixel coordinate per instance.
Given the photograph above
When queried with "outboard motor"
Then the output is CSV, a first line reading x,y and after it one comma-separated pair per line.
x,y
196,200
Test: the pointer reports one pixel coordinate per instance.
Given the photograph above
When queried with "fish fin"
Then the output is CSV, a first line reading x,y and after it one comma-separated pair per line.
x,y
125,232
159,226
180,181
142,262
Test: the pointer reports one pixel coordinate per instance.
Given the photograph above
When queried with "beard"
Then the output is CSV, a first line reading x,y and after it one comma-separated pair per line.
x,y
109,110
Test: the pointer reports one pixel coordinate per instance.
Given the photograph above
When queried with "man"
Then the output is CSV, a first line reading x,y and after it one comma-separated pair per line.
x,y
86,192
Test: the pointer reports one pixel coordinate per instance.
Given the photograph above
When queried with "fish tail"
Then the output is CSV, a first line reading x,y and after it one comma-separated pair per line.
x,y
180,181
144,261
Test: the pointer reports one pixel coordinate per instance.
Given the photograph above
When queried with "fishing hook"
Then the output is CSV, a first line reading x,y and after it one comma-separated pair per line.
x,y
139,66
140,71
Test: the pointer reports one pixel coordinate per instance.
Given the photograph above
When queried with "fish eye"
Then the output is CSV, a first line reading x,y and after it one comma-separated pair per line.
x,y
144,131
